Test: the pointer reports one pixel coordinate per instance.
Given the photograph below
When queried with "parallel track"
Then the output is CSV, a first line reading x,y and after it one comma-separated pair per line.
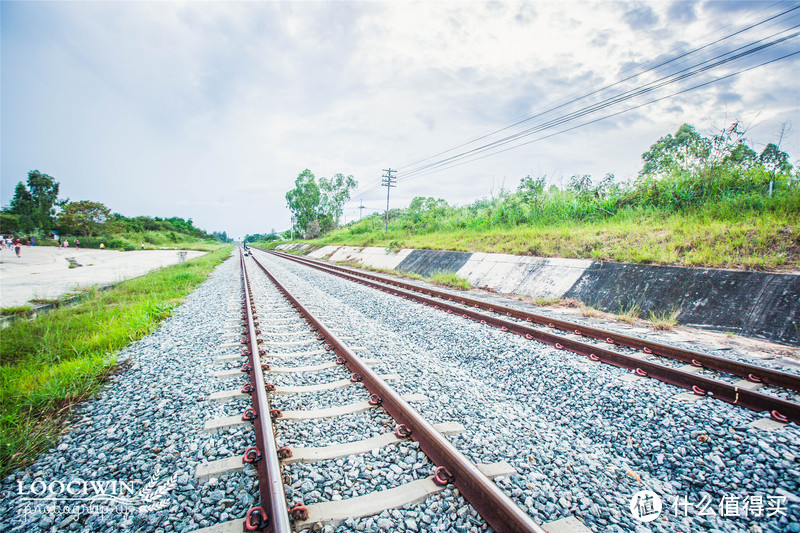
x,y
780,409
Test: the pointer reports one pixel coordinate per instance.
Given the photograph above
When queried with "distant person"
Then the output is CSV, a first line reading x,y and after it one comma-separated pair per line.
x,y
102,246
66,243
142,246
77,243
17,247
33,241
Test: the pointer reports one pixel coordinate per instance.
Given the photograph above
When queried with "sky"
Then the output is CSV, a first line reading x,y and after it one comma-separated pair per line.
x,y
210,110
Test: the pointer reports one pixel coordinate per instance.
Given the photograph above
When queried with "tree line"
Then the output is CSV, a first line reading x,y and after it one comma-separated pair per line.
x,y
683,171
36,210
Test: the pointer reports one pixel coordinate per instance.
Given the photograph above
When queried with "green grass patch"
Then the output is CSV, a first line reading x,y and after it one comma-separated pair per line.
x,y
748,240
738,229
450,279
152,240
44,301
629,313
665,320
63,357
15,310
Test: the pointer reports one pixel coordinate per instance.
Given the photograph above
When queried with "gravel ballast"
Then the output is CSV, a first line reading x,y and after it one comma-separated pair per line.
x,y
581,440
142,437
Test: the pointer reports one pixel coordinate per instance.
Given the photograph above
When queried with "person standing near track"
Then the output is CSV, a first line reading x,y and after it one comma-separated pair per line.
x,y
17,247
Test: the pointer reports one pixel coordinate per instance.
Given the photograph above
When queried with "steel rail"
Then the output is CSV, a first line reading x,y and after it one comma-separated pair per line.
x,y
748,371
756,401
492,504
270,481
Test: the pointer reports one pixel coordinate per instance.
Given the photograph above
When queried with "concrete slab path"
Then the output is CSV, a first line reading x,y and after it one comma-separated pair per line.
x,y
44,272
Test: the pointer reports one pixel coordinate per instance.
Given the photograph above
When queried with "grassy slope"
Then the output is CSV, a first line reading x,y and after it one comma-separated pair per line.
x,y
151,239
51,363
768,239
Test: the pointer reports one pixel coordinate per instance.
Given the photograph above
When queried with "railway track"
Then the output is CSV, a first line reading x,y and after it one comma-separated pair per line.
x,y
449,465
582,437
644,358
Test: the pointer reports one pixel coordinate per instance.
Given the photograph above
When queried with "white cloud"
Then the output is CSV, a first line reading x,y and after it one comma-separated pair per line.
x,y
210,110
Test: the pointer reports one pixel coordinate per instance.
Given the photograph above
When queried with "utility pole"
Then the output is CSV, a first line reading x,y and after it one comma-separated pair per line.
x,y
388,182
361,210
294,219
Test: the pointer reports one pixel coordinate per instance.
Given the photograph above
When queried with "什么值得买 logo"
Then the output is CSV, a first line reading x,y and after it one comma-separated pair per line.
x,y
646,506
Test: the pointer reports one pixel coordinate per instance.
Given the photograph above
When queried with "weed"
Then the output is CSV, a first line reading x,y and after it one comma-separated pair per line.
x,y
629,313
589,311
548,302
394,246
450,279
407,274
15,310
664,320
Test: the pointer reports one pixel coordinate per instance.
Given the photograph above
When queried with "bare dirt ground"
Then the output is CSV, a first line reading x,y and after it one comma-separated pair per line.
x,y
44,272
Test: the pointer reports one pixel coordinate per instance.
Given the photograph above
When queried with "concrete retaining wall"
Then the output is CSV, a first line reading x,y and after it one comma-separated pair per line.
x,y
754,304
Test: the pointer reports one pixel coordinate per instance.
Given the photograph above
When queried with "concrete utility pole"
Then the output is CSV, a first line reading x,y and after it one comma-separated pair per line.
x,y
361,210
388,182
294,219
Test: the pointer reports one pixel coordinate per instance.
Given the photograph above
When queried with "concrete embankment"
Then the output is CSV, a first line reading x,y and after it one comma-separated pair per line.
x,y
753,304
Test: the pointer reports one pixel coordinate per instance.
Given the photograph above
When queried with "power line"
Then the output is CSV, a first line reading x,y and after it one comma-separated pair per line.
x,y
613,100
698,68
613,114
618,82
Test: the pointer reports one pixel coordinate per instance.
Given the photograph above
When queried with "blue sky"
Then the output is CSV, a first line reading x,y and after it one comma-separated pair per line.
x,y
209,110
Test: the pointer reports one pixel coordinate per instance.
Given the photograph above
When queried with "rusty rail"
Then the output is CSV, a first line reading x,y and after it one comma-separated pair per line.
x,y
748,371
272,515
492,504
779,408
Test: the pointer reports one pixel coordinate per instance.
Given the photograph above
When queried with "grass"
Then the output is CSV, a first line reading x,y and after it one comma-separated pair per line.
x,y
665,320
742,232
15,310
59,359
589,311
450,279
152,240
629,313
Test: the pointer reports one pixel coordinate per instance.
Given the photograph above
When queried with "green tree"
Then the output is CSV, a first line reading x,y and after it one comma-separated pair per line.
x,y
686,151
318,207
334,193
531,188
84,218
774,160
34,204
9,223
303,201
21,205
741,156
